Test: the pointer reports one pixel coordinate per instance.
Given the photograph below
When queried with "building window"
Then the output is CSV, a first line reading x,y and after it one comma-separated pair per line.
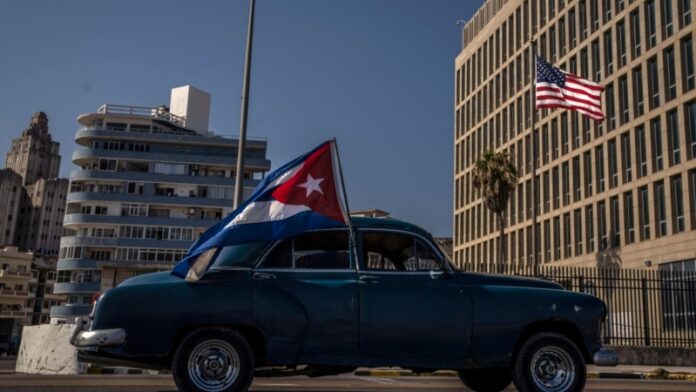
x,y
589,225
611,113
667,25
571,27
644,216
687,59
653,83
673,130
613,164
641,156
587,161
615,222
628,217
651,29
554,184
595,61
626,157
599,163
670,74
608,54
576,179
547,241
564,133
565,177
557,238
692,196
637,92
623,99
660,209
690,114
583,63
602,222
547,196
656,144
577,217
678,224
621,43
635,34
685,12
568,248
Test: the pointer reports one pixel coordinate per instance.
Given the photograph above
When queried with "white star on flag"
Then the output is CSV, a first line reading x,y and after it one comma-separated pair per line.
x,y
311,185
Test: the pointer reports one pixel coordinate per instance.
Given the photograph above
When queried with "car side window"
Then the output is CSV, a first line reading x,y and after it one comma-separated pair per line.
x,y
313,250
389,252
280,257
427,259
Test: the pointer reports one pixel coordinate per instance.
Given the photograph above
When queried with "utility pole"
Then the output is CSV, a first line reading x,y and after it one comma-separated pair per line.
x,y
239,178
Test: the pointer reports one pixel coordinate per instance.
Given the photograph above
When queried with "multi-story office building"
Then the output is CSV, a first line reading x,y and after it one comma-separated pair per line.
x,y
150,181
626,185
12,191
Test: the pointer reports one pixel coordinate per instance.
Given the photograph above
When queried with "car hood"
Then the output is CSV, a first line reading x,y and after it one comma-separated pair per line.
x,y
152,278
508,280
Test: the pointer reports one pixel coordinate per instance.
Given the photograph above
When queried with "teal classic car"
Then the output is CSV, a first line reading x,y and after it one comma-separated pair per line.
x,y
309,305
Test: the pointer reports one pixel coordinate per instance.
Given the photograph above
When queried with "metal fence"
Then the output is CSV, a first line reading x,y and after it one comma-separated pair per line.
x,y
646,307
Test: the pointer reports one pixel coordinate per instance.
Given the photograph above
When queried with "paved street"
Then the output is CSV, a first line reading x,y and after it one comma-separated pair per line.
x,y
151,383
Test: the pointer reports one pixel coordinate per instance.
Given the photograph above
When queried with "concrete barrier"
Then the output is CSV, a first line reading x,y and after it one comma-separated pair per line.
x,y
46,349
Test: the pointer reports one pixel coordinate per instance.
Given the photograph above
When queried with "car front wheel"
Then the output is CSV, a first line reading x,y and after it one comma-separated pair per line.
x,y
485,380
213,360
549,362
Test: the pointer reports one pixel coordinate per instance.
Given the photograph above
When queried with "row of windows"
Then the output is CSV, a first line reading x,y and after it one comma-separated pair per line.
x,y
618,161
620,105
650,211
575,24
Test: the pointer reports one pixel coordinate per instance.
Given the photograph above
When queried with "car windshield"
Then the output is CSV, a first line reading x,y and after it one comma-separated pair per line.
x,y
241,255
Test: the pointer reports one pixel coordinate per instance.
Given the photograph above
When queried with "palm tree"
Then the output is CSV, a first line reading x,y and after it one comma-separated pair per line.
x,y
495,177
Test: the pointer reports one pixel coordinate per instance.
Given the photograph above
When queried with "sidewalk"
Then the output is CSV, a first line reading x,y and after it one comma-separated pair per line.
x,y
617,372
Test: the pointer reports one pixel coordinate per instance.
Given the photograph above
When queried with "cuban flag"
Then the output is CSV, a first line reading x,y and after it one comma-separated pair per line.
x,y
302,195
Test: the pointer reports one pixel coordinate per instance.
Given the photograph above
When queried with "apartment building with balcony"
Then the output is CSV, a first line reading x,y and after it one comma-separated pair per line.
x,y
16,301
624,187
149,182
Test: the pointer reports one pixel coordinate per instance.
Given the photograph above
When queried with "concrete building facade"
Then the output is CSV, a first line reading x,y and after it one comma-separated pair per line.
x,y
13,195
16,302
625,186
147,186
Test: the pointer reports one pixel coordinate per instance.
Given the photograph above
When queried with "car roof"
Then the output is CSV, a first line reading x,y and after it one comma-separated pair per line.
x,y
387,223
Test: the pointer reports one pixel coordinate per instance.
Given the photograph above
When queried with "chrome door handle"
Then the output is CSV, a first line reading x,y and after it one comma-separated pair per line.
x,y
263,276
368,278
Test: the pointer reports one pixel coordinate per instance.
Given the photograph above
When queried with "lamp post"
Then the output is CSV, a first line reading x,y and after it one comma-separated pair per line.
x,y
239,178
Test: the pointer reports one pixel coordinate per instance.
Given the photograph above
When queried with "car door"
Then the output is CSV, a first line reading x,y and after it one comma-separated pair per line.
x,y
409,306
305,299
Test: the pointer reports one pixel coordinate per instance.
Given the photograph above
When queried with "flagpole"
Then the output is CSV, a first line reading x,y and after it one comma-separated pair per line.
x,y
241,146
535,212
345,201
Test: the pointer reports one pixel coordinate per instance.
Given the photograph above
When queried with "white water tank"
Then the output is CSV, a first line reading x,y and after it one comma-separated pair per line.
x,y
192,104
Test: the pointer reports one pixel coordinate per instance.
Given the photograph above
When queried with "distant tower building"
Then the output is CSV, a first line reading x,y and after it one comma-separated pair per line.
x,y
150,181
32,209
34,155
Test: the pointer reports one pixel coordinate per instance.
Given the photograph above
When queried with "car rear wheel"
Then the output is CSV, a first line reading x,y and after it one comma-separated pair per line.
x,y
485,380
213,360
549,362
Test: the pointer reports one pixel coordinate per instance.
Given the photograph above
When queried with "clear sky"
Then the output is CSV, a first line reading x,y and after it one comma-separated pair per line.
x,y
375,74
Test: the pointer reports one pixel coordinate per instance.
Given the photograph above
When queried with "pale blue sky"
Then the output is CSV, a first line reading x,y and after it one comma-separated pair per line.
x,y
375,74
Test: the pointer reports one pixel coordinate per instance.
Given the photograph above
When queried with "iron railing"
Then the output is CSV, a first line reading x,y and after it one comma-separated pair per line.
x,y
645,307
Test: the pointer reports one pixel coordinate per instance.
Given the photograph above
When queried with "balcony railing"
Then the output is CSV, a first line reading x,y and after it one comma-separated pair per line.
x,y
13,293
157,112
12,272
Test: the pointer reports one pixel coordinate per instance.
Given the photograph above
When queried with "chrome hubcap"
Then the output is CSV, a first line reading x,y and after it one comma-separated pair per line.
x,y
213,365
552,369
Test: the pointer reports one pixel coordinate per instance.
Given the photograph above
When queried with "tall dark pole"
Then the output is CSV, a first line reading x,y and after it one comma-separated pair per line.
x,y
535,212
239,178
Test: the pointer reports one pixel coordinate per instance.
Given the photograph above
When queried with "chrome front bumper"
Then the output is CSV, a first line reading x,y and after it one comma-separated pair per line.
x,y
103,337
605,357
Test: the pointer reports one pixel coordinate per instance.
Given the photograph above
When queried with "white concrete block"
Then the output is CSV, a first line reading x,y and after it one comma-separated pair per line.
x,y
46,349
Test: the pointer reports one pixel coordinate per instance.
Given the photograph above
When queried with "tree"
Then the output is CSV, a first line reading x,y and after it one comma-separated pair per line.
x,y
495,177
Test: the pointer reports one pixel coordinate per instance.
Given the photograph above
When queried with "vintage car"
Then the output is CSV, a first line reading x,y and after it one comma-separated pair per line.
x,y
310,305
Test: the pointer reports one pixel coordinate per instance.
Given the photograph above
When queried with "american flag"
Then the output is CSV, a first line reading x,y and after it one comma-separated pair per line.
x,y
558,89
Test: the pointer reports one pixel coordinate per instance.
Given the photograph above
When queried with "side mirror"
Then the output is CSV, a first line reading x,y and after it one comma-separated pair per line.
x,y
438,274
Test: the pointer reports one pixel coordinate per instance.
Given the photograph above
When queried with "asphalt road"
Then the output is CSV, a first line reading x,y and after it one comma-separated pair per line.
x,y
150,383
